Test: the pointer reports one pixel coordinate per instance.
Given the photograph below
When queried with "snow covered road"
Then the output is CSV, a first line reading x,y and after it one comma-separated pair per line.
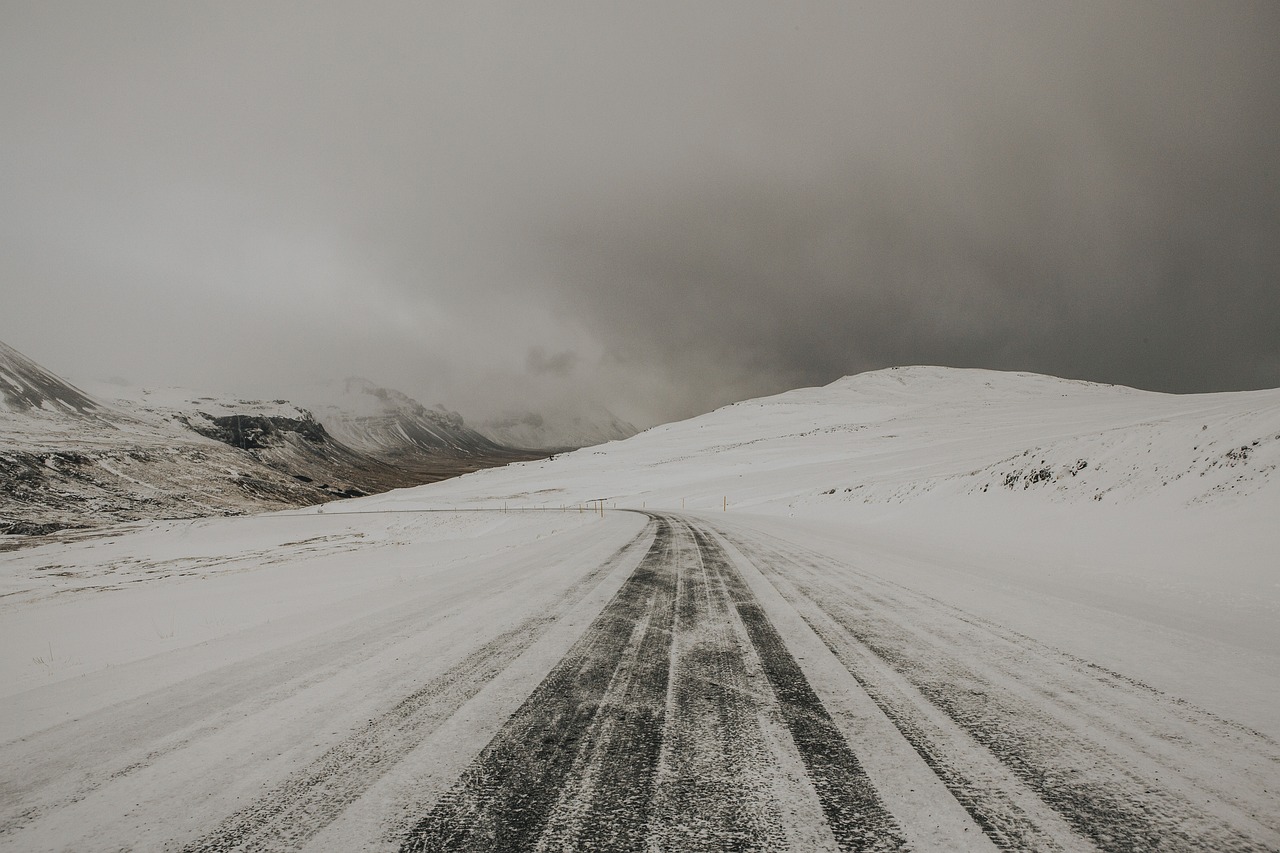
x,y
1043,749
679,720
650,681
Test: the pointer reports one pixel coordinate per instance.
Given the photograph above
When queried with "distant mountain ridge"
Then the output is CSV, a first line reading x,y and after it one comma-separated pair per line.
x,y
390,425
68,459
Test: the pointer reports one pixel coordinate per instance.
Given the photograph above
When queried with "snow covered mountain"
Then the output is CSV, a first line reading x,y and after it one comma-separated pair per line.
x,y
277,433
392,426
560,427
26,386
68,459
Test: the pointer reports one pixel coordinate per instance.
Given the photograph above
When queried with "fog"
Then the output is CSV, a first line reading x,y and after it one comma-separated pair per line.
x,y
661,207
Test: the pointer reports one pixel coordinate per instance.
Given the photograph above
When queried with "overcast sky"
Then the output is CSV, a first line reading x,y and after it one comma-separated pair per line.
x,y
662,206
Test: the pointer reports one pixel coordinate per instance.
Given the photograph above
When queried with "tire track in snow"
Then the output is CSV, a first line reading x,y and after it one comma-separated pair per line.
x,y
640,740
504,800
854,811
1105,790
309,800
1011,816
71,761
713,780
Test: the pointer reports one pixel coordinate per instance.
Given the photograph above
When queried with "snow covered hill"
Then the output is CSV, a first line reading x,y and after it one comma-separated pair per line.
x,y
1134,501
68,460
293,441
903,434
26,387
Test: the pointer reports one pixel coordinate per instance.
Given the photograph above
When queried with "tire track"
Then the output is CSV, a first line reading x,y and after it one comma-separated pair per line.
x,y
1008,814
504,799
310,799
1014,703
713,785
858,818
648,734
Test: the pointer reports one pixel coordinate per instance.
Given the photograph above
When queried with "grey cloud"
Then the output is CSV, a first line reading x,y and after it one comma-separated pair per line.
x,y
662,206
1125,233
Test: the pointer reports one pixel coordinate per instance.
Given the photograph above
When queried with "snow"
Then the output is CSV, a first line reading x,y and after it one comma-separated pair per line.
x,y
165,590
1156,559
1169,526
1182,536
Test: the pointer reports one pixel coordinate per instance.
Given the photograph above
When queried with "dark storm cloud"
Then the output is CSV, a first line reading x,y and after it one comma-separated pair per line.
x,y
1108,209
664,206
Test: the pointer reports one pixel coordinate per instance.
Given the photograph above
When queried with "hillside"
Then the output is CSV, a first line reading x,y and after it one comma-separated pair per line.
x,y
71,460
26,387
927,433
1125,499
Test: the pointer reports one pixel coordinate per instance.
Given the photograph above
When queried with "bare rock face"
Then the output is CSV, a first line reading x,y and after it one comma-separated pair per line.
x,y
257,432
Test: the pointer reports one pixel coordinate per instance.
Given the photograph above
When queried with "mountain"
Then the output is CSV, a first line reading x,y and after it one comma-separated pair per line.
x,y
26,387
561,427
69,459
276,433
392,426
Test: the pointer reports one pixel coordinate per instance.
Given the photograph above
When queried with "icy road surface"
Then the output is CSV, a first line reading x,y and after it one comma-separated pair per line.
x,y
557,681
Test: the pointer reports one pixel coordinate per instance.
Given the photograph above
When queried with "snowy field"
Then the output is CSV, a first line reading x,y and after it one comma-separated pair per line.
x,y
917,609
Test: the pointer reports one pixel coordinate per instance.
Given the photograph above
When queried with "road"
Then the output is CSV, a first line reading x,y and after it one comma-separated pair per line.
x,y
697,686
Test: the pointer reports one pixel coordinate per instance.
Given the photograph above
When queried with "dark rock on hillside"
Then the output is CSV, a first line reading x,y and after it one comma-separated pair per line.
x,y
255,432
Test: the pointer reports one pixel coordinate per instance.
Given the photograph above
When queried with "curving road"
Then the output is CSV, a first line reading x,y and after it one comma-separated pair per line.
x,y
696,687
